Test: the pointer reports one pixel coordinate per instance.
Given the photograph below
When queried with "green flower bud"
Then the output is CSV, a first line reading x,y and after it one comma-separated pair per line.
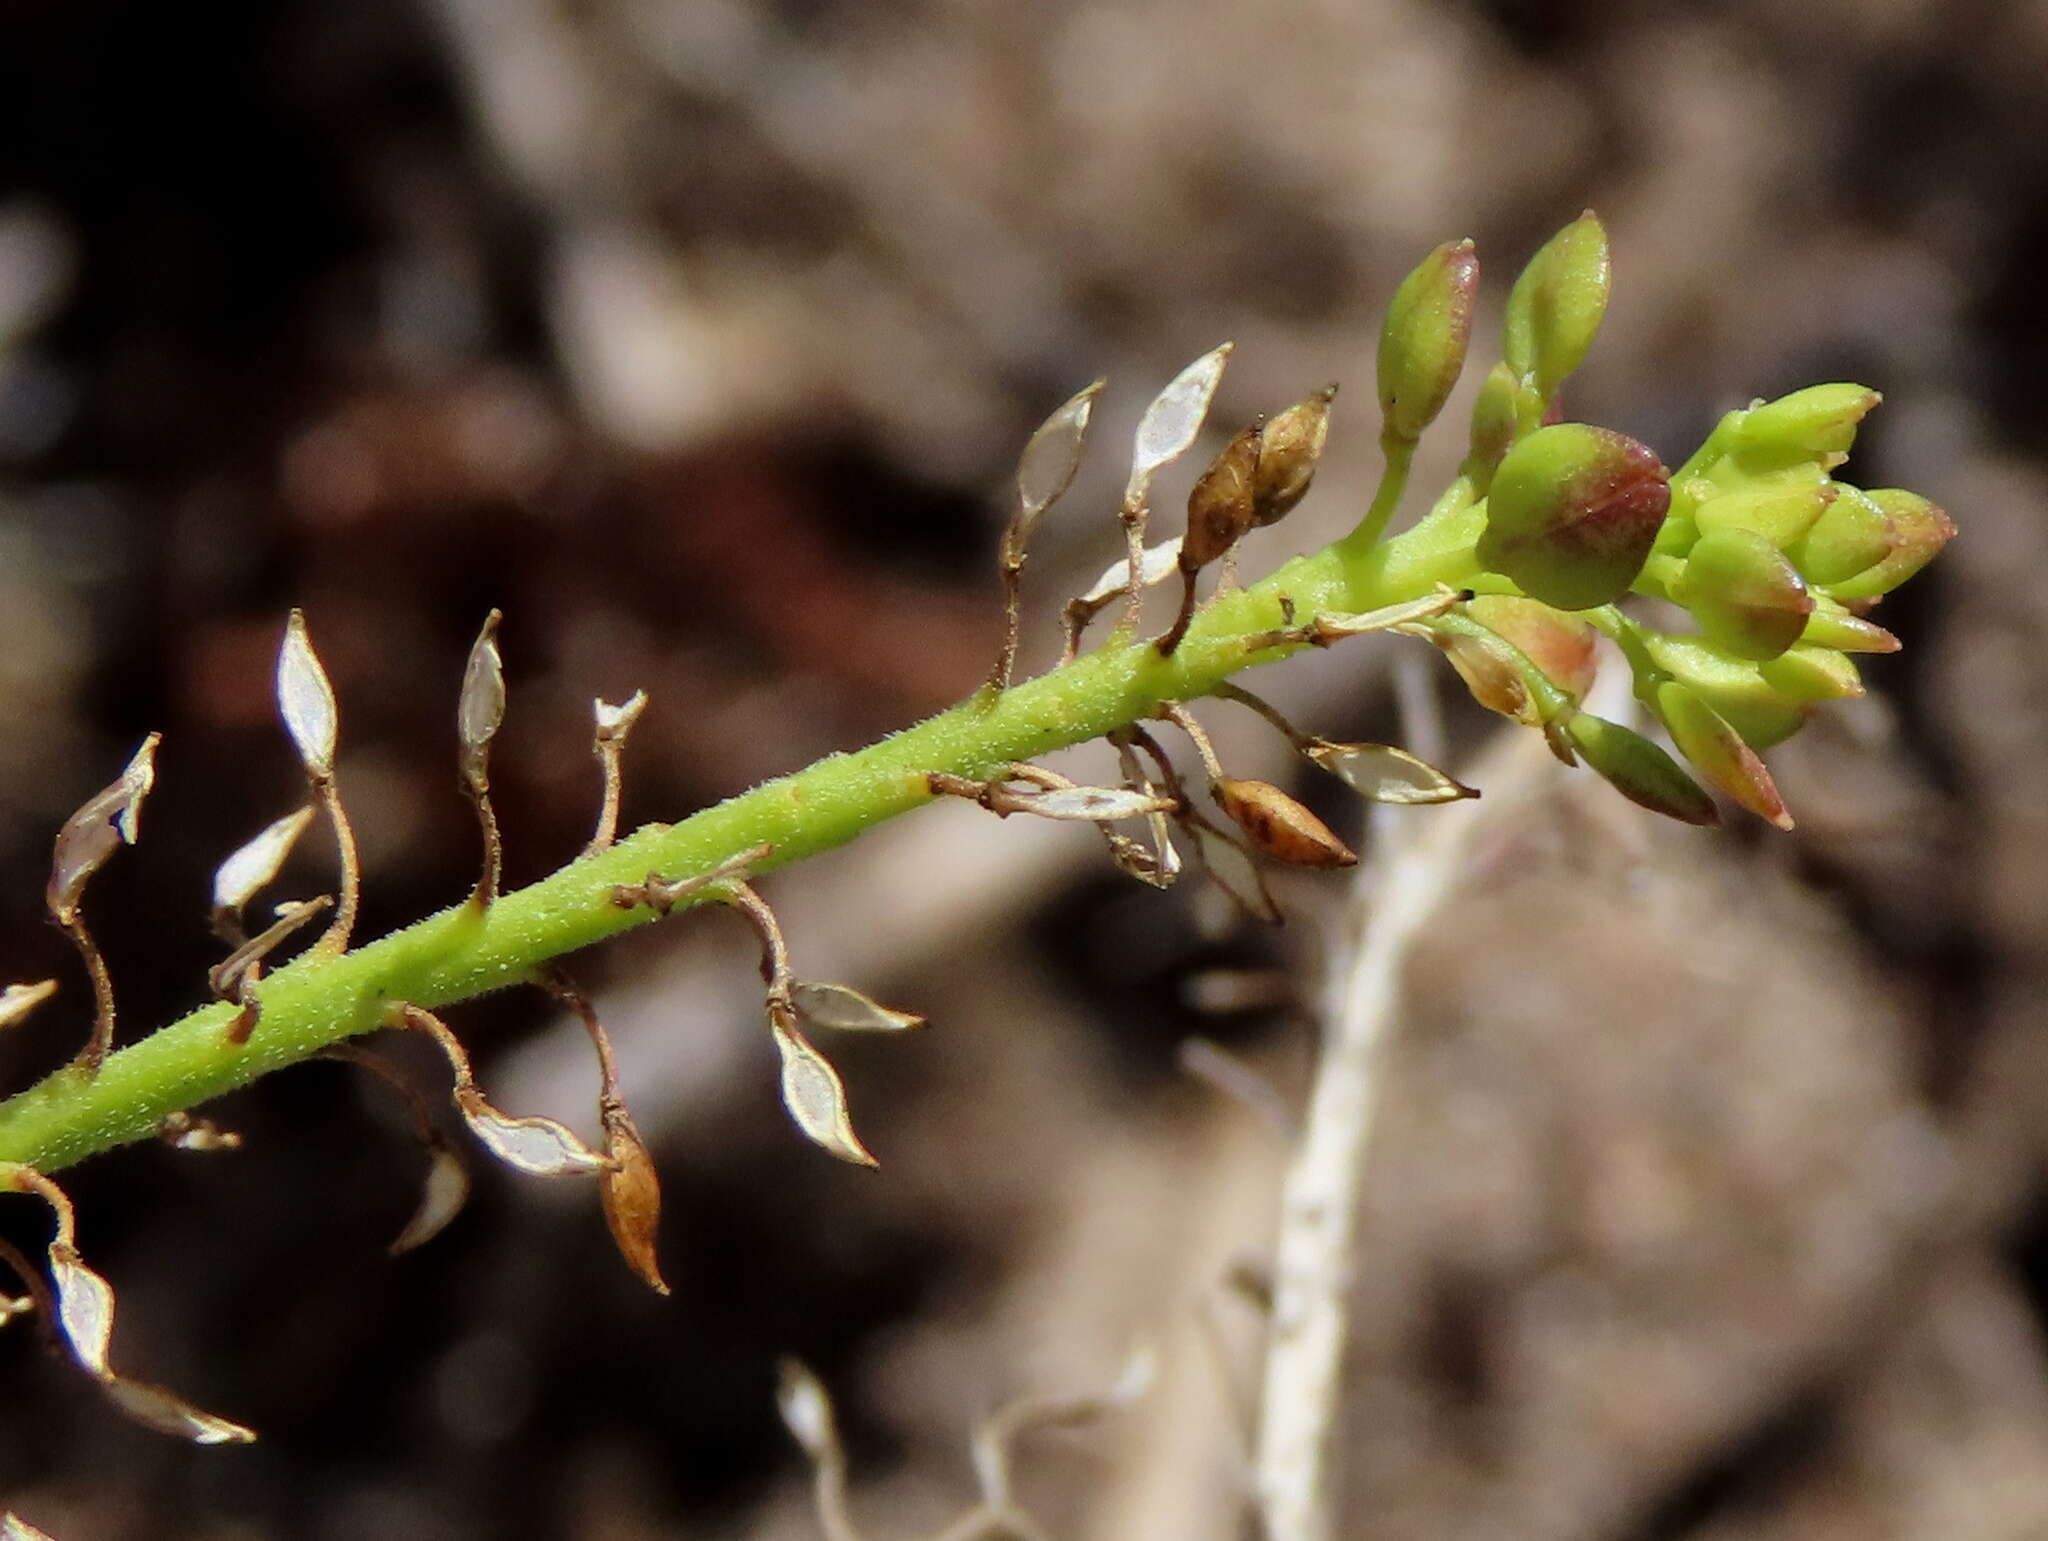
x,y
1564,647
1556,305
1639,770
1818,423
1493,421
1422,342
1745,594
1852,536
1919,530
1718,752
1220,503
1832,626
1288,452
1573,513
1734,687
1780,514
1812,674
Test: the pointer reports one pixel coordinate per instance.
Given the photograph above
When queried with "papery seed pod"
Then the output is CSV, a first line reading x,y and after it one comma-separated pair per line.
x,y
1573,513
14,1528
806,1409
1639,770
1918,532
236,880
1289,451
1556,306
1229,865
1718,752
1494,425
17,1001
306,700
631,1191
1175,416
1745,593
1734,687
1381,773
1279,827
1159,564
1564,647
844,1009
480,707
1832,626
105,822
532,1144
1812,674
443,1194
813,1092
1085,804
1220,505
1780,514
1817,423
1046,468
1423,339
1852,536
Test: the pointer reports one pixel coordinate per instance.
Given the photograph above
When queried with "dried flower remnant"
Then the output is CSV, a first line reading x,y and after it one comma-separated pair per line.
x,y
231,979
480,711
85,1316
1289,451
1156,867
1050,796
608,743
813,1092
1156,565
107,821
445,1188
250,868
662,894
184,1131
531,1144
1044,472
305,700
1220,513
1164,434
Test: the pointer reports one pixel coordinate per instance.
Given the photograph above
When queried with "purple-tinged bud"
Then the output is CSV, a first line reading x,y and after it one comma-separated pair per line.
x,y
1852,536
1422,341
1493,420
1813,674
1818,423
1734,687
1288,452
1640,771
1279,827
1563,646
1919,530
1832,626
1780,514
1556,305
1572,514
1745,594
1718,752
1220,504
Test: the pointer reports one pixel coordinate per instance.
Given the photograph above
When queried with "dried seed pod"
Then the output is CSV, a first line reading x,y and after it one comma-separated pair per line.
x,y
1640,770
103,823
844,1009
1229,865
532,1144
443,1194
1046,468
1279,827
17,1001
306,700
1175,416
1288,454
236,880
1423,339
480,708
1383,774
631,1192
1220,506
813,1092
1089,804
1493,669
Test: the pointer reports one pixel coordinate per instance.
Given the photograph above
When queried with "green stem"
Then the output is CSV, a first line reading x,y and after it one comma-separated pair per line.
x,y
466,951
1399,455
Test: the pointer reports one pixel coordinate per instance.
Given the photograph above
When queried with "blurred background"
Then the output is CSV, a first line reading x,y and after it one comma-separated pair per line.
x,y
701,335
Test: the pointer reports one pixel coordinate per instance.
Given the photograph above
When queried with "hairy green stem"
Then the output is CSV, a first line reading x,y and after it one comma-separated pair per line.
x,y
465,951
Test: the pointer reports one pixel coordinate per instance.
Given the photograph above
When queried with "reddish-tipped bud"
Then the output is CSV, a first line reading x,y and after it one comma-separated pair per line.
x,y
1813,674
1555,307
1573,513
1745,594
1734,687
1832,626
1423,340
1717,751
1818,423
1564,647
1288,452
1279,827
1918,532
1220,505
1639,770
1780,514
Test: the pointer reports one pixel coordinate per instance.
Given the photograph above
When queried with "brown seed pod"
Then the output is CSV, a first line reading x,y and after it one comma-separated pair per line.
x,y
1220,506
1287,458
1280,827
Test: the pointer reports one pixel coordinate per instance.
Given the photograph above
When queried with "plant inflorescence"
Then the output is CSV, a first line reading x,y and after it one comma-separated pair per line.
x,y
1516,573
